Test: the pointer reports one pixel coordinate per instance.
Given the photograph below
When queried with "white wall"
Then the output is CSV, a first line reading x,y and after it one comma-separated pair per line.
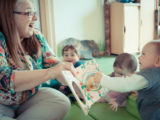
x,y
81,19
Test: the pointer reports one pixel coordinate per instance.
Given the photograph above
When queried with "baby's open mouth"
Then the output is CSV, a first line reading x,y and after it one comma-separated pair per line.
x,y
31,25
69,60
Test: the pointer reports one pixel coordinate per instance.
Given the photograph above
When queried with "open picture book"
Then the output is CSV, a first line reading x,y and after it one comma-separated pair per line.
x,y
78,84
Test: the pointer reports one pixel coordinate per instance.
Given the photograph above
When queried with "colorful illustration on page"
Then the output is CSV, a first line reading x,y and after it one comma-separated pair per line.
x,y
85,72
79,83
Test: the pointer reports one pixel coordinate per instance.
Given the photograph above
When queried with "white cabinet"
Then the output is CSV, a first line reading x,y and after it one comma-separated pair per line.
x,y
125,29
147,11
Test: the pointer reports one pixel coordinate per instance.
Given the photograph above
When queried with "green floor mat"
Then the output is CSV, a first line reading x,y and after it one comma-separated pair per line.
x,y
102,111
131,106
76,113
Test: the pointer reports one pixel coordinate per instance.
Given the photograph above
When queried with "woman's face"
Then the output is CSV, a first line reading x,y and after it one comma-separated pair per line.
x,y
25,18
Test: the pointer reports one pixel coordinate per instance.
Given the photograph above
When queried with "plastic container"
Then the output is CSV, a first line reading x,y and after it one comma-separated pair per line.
x,y
125,1
133,1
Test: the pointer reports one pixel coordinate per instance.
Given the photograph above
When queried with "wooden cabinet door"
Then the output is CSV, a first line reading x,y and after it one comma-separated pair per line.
x,y
117,28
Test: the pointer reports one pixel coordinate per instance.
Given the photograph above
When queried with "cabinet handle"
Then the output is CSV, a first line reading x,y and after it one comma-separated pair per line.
x,y
124,29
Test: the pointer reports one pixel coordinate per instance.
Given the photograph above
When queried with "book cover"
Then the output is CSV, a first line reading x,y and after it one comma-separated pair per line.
x,y
78,85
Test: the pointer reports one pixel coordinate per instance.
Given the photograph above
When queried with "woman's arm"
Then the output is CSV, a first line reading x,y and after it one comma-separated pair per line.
x,y
16,80
28,79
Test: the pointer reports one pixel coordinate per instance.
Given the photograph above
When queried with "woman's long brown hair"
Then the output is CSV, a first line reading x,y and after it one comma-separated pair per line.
x,y
9,29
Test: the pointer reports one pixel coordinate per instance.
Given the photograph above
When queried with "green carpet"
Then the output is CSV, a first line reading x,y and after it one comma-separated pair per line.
x,y
106,63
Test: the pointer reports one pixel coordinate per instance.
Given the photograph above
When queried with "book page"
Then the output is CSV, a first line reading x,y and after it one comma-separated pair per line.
x,y
78,85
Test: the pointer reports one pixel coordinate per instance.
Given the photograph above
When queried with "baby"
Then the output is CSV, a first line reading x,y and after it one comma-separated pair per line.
x,y
70,54
147,82
125,65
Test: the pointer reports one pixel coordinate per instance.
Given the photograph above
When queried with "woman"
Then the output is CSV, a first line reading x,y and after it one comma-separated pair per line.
x,y
26,61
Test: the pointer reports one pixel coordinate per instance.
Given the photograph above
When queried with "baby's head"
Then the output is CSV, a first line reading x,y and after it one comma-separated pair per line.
x,y
150,56
125,65
70,54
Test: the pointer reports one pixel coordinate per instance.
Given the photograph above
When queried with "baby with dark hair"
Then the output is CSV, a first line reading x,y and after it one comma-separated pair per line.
x,y
125,64
70,54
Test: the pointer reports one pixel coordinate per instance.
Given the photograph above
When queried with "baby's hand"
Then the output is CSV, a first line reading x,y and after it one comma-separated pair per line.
x,y
93,81
98,77
113,105
135,93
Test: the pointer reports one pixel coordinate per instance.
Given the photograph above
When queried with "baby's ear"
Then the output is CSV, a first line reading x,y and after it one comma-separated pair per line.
x,y
157,63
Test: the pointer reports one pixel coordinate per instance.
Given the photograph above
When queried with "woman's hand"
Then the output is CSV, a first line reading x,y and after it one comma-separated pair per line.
x,y
56,71
28,79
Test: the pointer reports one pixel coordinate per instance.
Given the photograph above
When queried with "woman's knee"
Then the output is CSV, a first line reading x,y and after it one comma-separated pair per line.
x,y
49,104
57,102
61,100
52,96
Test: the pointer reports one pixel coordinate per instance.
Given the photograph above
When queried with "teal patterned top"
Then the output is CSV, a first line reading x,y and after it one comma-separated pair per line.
x,y
8,96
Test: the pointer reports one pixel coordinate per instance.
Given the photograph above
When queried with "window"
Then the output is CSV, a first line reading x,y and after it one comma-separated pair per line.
x,y
38,23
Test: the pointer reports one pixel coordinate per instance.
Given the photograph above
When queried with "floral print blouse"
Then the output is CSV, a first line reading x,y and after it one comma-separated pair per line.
x,y
8,96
